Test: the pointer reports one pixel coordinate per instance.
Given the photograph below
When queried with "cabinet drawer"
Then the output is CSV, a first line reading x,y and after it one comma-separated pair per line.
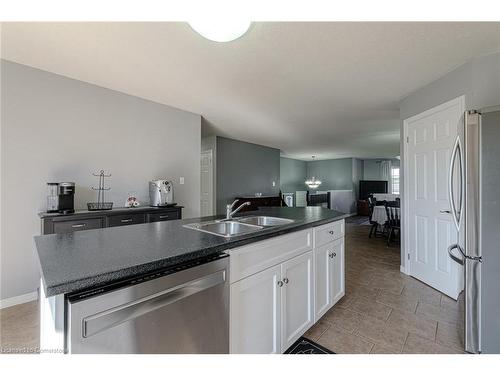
x,y
118,220
250,259
163,216
328,233
68,226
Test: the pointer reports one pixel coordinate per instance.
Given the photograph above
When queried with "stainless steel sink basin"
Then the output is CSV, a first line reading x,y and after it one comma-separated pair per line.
x,y
225,228
265,221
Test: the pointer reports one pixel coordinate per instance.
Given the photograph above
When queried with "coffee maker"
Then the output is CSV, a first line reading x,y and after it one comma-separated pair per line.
x,y
161,193
61,197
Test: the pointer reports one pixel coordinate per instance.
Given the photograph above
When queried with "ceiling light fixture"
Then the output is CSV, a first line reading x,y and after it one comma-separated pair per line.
x,y
221,31
313,183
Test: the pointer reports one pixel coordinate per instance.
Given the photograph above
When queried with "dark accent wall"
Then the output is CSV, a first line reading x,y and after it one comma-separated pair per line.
x,y
357,174
292,175
244,169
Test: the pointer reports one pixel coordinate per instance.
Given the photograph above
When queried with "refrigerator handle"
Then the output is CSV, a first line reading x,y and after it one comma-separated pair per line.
x,y
453,256
454,213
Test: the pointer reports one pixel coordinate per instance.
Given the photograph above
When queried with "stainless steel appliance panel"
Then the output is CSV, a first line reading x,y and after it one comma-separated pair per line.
x,y
469,232
183,312
489,237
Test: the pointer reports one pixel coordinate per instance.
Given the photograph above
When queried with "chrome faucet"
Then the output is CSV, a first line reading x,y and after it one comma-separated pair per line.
x,y
229,207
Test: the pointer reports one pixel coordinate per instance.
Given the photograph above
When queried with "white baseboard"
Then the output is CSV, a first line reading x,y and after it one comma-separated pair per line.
x,y
402,269
17,300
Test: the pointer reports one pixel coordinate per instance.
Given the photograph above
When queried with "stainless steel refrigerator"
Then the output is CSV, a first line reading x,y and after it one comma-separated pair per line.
x,y
474,189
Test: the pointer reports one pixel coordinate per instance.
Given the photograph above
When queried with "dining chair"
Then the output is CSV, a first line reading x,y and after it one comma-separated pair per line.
x,y
372,202
393,223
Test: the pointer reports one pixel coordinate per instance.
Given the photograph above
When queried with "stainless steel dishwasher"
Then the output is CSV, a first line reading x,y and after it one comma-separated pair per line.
x,y
179,310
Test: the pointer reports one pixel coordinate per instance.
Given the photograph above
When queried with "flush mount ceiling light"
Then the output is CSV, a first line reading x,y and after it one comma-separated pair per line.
x,y
220,31
313,183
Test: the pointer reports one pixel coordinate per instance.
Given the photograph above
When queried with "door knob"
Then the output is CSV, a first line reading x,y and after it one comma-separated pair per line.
x,y
445,211
285,280
280,283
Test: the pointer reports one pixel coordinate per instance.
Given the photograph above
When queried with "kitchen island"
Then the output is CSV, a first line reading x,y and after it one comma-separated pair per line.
x,y
88,263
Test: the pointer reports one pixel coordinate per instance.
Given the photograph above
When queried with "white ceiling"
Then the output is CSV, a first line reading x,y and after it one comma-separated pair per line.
x,y
328,89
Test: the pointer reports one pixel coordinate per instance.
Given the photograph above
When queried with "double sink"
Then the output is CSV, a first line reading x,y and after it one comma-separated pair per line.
x,y
238,226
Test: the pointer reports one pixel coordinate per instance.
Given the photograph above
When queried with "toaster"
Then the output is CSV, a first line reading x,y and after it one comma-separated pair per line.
x,y
161,193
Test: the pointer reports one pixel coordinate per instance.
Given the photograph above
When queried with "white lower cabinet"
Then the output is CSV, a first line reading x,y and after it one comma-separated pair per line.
x,y
255,313
329,276
338,270
273,308
297,298
281,286
323,280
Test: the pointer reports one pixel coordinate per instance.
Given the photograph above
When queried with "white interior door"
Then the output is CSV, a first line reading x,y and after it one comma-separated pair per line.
x,y
207,185
429,228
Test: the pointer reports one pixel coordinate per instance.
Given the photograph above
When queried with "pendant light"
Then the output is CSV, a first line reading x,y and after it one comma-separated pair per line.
x,y
313,183
220,31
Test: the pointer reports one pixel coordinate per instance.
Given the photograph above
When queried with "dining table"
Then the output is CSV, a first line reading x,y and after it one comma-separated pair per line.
x,y
380,216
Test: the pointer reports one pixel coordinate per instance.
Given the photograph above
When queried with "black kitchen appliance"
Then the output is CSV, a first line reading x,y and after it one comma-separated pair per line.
x,y
66,194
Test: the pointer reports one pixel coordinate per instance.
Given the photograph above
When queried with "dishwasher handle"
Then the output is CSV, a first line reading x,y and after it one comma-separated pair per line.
x,y
110,318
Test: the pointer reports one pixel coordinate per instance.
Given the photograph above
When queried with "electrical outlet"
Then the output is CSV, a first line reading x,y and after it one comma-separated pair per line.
x,y
274,183
181,180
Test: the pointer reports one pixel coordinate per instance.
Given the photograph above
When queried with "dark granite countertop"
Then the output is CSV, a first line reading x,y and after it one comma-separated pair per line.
x,y
113,211
81,260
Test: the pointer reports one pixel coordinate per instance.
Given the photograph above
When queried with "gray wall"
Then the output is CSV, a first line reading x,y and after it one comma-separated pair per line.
x,y
478,80
335,174
371,168
245,169
59,129
293,175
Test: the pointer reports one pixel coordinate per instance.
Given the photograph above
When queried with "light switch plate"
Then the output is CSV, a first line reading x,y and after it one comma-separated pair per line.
x,y
181,180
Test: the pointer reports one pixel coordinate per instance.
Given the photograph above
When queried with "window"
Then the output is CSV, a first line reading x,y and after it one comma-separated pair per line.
x,y
395,180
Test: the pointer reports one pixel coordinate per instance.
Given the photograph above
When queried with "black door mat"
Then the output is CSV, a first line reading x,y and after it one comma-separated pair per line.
x,y
306,346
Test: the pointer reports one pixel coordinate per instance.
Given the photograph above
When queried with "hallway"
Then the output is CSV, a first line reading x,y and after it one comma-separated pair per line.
x,y
384,310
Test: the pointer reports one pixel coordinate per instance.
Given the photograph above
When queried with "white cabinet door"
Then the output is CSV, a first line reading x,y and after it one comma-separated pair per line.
x,y
323,280
338,275
255,310
297,294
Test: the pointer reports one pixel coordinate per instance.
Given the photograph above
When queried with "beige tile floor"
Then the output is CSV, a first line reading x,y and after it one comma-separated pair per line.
x,y
19,328
384,310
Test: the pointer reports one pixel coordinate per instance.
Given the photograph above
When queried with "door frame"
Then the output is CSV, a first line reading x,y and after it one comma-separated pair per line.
x,y
460,101
212,196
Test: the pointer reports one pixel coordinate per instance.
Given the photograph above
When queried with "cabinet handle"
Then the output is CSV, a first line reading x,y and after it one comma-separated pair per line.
x,y
331,232
330,255
285,280
334,254
280,283
78,225
126,220
163,216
